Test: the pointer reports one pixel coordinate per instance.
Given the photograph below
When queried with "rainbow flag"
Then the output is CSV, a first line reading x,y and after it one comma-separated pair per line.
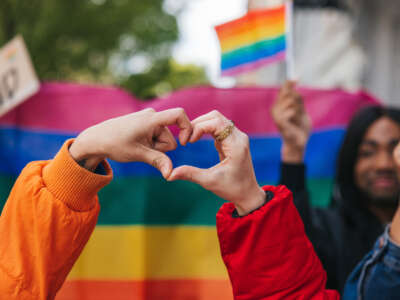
x,y
257,39
157,240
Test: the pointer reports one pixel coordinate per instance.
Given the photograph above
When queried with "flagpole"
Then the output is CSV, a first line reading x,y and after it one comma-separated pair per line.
x,y
290,67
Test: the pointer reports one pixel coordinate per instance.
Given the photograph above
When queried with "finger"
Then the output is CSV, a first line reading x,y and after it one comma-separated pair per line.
x,y
300,102
158,160
192,174
221,154
208,116
146,110
176,116
288,115
288,103
287,88
165,141
213,127
285,104
291,84
292,97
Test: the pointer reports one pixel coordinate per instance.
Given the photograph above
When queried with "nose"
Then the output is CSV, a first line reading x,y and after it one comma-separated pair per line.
x,y
385,161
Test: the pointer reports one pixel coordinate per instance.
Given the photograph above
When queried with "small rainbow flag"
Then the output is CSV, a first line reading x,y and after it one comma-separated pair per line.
x,y
256,39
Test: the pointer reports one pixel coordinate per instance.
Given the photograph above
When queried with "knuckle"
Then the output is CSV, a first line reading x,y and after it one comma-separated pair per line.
x,y
149,109
243,143
220,123
180,110
216,113
156,162
245,139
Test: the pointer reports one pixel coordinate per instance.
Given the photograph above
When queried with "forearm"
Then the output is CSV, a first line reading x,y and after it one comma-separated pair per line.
x,y
47,220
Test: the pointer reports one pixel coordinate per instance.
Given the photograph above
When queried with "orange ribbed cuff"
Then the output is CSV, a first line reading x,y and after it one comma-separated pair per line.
x,y
72,184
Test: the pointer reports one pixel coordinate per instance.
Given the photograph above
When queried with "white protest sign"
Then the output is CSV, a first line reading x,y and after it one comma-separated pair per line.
x,y
18,80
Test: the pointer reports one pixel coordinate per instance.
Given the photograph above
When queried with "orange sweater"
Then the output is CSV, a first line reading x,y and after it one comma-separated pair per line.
x,y
57,199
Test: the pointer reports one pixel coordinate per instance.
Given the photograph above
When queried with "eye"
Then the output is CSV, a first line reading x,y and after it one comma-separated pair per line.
x,y
366,153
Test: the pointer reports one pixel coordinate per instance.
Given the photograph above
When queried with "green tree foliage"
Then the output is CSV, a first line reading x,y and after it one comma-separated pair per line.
x,y
174,77
93,41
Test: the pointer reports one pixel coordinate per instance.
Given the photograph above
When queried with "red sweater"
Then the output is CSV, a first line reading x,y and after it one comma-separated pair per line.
x,y
53,208
268,255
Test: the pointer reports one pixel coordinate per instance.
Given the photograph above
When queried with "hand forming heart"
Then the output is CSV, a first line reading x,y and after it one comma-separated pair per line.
x,y
233,178
144,136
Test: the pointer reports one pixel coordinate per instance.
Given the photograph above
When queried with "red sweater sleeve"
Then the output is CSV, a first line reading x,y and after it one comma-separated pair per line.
x,y
268,255
47,220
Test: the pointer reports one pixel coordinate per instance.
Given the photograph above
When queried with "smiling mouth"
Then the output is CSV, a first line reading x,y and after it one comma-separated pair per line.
x,y
384,182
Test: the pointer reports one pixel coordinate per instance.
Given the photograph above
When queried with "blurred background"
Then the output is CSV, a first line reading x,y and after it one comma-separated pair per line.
x,y
152,48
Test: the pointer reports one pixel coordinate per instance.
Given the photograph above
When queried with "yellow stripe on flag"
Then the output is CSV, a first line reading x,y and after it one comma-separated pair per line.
x,y
151,252
251,36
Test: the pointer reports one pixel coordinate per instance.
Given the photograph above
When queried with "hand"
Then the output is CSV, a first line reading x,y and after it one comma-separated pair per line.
x,y
293,123
232,179
141,136
395,227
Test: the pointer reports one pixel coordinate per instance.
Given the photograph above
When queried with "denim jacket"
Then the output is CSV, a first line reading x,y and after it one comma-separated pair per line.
x,y
377,276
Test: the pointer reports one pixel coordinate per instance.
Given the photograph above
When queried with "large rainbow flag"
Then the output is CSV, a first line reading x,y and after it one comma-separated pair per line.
x,y
256,39
157,240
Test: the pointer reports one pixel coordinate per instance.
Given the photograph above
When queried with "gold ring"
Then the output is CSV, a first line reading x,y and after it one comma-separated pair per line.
x,y
225,133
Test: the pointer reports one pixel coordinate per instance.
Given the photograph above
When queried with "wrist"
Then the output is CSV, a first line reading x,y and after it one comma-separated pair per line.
x,y
252,201
292,154
82,153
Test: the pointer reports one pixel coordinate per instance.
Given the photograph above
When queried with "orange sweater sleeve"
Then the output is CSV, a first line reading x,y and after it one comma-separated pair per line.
x,y
47,220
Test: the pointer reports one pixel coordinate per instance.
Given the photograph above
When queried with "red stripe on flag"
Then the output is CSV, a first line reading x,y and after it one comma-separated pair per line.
x,y
146,290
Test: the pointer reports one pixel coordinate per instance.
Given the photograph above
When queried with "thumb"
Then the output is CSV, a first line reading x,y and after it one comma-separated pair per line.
x,y
158,160
189,173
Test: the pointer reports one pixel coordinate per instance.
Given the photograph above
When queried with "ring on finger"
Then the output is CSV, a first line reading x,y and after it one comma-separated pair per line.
x,y
225,132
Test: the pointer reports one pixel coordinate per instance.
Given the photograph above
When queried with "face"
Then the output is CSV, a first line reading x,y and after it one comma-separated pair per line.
x,y
375,171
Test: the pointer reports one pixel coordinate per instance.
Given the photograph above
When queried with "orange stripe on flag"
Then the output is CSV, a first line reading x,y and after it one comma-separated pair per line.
x,y
255,18
247,38
146,290
249,25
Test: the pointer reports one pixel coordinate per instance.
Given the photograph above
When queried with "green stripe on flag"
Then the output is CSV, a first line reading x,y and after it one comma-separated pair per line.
x,y
153,201
320,191
6,183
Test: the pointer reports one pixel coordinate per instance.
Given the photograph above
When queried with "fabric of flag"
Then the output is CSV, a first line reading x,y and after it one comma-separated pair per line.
x,y
256,39
156,239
